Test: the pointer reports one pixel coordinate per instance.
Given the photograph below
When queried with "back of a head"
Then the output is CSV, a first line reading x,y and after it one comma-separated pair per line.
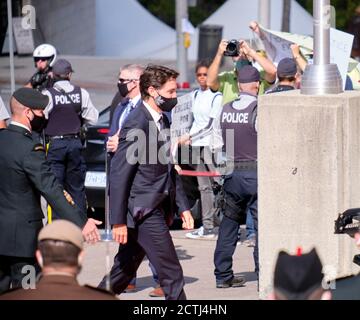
x,y
60,244
298,277
248,78
287,69
155,76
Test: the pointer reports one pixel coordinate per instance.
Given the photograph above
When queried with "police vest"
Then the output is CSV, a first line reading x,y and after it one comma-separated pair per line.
x,y
65,117
238,119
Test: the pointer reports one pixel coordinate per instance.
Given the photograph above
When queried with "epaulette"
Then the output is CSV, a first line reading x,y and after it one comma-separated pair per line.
x,y
99,290
39,147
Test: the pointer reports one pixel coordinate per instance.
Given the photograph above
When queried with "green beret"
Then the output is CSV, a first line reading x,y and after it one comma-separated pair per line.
x,y
31,98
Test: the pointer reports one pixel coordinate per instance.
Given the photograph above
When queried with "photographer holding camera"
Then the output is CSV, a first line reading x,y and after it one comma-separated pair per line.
x,y
242,54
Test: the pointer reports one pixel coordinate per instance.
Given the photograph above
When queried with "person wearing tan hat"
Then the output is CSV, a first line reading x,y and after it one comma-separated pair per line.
x,y
60,255
24,176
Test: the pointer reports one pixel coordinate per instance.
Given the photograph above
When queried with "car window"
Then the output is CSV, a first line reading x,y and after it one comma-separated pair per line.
x,y
104,117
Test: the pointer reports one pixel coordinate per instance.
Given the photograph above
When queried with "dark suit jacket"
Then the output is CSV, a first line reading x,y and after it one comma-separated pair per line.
x,y
141,183
114,103
24,176
114,127
58,287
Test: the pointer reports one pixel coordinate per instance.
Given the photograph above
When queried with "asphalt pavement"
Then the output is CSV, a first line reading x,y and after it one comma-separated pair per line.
x,y
196,259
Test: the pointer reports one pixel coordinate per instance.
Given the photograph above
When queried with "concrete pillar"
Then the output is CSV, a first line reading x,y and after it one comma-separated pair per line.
x,y
308,173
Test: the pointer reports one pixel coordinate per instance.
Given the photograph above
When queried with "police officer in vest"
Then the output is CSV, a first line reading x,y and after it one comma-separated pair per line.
x,y
238,119
69,107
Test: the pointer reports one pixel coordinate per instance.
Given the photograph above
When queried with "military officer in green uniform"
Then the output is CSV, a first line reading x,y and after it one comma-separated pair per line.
x,y
24,176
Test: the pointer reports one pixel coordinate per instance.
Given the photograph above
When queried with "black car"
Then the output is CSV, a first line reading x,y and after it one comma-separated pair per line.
x,y
95,181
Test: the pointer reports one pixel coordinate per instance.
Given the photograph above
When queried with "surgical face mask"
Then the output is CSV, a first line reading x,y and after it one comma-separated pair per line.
x,y
165,104
123,89
38,123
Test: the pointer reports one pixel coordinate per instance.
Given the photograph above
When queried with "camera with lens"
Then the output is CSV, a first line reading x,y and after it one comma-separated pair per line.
x,y
232,48
349,223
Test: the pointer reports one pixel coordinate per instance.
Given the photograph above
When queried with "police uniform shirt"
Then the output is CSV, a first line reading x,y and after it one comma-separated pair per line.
x,y
89,113
240,117
4,115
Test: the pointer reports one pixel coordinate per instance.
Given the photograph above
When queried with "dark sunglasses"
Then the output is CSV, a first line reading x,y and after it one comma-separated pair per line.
x,y
201,74
126,80
36,59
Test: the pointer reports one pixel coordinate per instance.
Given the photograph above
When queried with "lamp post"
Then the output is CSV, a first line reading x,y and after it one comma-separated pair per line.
x,y
11,46
322,77
182,59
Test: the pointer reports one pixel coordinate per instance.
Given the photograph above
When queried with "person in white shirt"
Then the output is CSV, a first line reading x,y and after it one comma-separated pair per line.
x,y
206,142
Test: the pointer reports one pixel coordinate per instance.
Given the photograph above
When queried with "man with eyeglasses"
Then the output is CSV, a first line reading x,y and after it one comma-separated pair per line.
x,y
129,90
44,58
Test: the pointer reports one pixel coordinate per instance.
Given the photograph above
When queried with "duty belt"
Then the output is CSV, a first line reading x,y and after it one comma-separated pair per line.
x,y
65,136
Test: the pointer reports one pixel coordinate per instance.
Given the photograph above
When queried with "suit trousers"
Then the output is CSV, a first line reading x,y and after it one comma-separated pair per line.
x,y
12,273
150,237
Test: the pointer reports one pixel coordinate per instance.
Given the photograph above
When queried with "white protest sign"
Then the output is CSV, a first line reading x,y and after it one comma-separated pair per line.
x,y
277,46
181,117
340,51
23,37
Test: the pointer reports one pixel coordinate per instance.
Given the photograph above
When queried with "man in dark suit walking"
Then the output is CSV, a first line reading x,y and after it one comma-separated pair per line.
x,y
145,189
24,176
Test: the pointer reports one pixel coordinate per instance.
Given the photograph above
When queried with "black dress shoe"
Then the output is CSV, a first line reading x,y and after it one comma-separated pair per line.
x,y
237,281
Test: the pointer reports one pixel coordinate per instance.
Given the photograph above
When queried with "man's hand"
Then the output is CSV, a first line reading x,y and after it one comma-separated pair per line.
x,y
246,50
90,231
187,219
113,142
222,47
119,232
254,26
295,49
184,140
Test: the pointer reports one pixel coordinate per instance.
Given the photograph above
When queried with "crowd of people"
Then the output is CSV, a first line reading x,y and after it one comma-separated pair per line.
x,y
42,154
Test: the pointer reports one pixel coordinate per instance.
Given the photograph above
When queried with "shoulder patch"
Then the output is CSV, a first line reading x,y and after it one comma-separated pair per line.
x,y
39,147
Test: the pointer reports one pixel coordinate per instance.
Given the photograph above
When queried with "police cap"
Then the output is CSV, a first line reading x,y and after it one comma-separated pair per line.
x,y
286,68
62,230
296,277
248,74
31,98
62,67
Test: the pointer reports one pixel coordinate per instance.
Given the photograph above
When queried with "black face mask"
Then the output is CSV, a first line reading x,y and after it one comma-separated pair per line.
x,y
165,104
123,89
38,123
